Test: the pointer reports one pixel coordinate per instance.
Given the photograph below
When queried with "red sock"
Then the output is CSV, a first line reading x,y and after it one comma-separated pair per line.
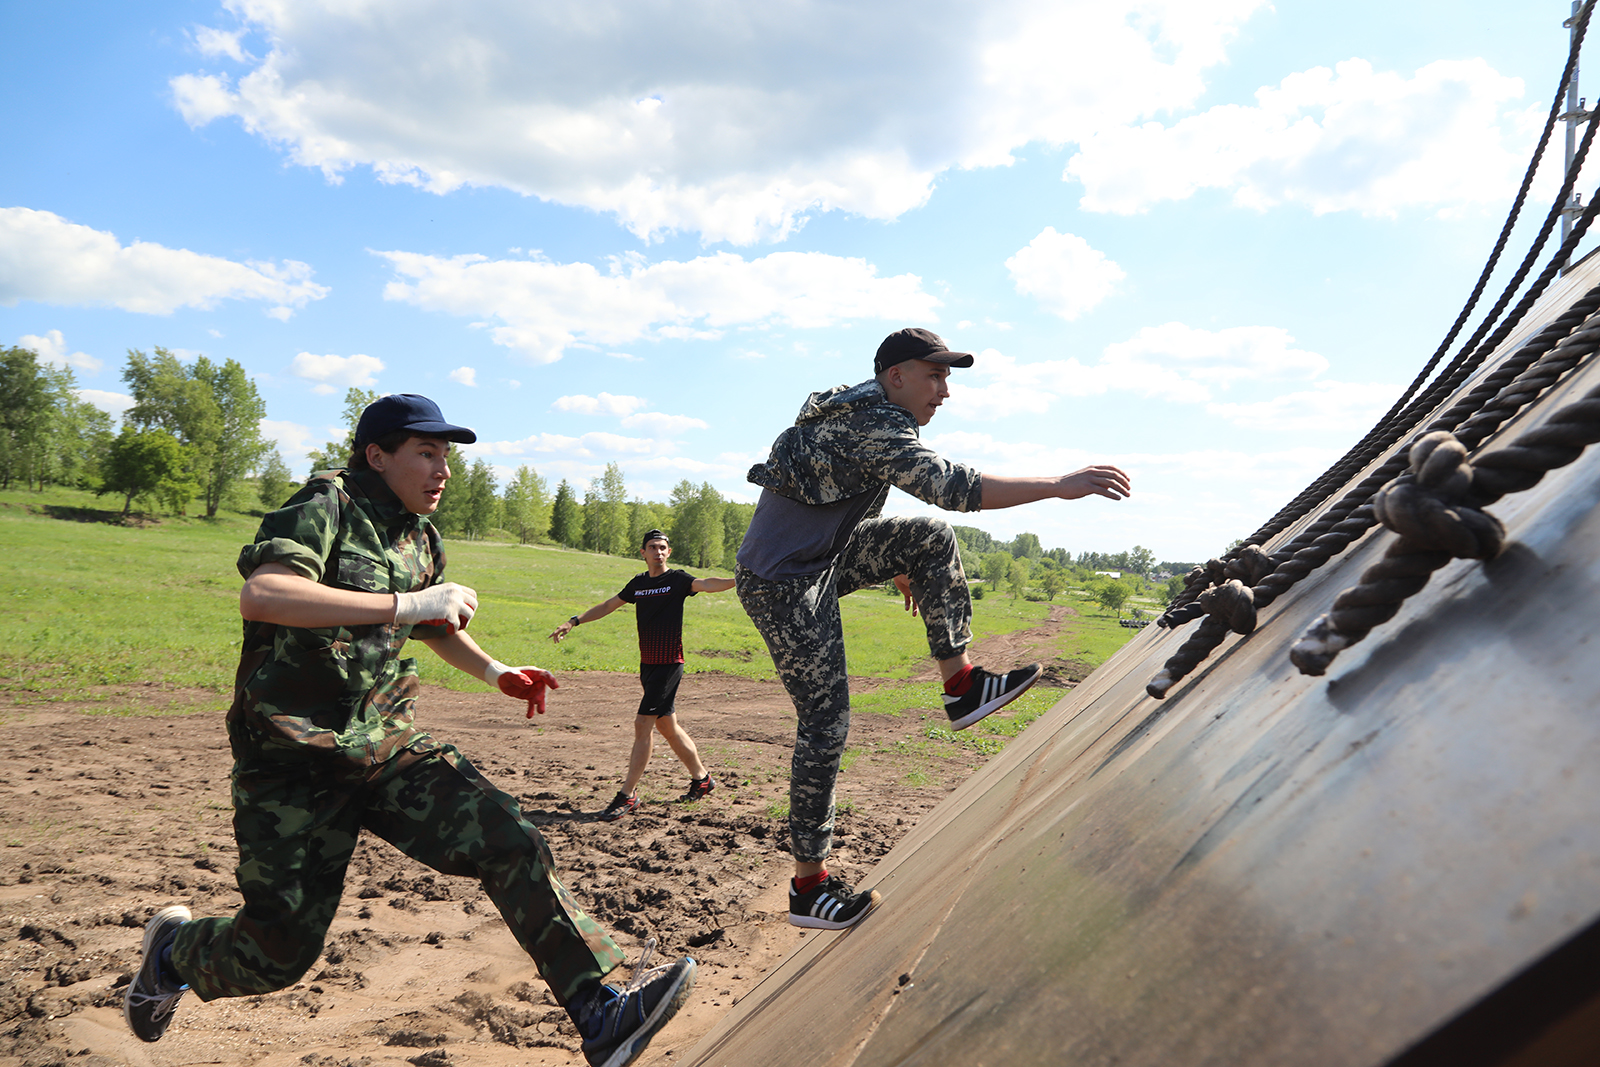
x,y
810,881
959,681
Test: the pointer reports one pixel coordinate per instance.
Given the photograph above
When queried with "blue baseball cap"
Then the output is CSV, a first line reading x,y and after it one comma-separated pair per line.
x,y
407,411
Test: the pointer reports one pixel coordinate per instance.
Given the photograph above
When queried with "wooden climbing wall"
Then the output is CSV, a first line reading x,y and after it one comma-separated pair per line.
x,y
1398,863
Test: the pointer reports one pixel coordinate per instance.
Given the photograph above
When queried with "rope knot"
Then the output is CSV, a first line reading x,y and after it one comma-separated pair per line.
x,y
1231,603
1250,565
1429,509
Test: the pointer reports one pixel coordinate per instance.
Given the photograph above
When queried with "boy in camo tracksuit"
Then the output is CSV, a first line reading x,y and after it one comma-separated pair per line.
x,y
817,535
325,745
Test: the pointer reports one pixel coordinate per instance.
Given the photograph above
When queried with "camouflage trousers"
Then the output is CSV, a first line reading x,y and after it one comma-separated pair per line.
x,y
799,620
297,823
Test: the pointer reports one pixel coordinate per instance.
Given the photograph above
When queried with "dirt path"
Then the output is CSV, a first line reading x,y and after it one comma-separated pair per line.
x,y
105,818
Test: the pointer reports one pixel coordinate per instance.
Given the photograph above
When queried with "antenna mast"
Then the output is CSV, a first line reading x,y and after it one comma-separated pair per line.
x,y
1574,116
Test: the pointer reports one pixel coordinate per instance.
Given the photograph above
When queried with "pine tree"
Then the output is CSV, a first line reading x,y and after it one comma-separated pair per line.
x,y
566,522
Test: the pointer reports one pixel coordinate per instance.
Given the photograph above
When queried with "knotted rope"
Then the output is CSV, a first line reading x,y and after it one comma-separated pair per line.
x,y
1539,363
1401,416
1439,516
1230,605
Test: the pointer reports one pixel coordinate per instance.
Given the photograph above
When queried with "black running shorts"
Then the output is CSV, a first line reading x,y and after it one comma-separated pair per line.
x,y
660,681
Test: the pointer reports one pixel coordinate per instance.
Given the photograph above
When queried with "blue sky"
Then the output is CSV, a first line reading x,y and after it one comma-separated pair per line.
x,y
1206,240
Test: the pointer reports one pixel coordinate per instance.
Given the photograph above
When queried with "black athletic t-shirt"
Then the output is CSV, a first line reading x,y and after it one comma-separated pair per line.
x,y
659,603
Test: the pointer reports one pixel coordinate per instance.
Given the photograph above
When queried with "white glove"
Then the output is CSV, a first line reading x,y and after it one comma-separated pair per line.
x,y
446,604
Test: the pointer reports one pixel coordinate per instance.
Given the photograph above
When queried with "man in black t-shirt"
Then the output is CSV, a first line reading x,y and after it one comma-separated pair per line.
x,y
657,595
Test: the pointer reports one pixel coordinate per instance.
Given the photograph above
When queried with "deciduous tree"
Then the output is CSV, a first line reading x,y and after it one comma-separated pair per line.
x,y
149,463
337,453
1111,595
275,483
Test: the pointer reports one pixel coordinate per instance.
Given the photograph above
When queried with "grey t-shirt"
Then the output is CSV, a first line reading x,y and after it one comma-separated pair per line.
x,y
788,539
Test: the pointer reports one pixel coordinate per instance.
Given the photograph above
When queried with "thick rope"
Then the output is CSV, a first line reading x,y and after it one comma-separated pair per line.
x,y
1539,363
1353,515
1392,424
1439,516
1401,417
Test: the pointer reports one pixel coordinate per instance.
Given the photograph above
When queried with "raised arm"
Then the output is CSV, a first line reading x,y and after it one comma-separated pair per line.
x,y
711,585
599,611
1102,479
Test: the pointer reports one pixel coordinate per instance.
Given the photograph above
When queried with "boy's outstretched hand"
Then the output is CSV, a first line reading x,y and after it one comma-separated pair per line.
x,y
524,683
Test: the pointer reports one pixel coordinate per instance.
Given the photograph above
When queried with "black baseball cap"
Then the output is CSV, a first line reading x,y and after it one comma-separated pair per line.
x,y
655,535
408,411
913,342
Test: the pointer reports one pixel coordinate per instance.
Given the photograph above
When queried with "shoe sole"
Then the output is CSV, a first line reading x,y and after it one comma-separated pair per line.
x,y
630,1049
152,930
985,710
809,922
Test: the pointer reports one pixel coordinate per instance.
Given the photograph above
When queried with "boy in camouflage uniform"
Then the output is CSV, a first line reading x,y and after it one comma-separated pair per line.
x,y
324,745
816,536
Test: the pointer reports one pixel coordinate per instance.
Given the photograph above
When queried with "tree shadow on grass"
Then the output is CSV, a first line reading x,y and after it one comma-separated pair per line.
x,y
110,518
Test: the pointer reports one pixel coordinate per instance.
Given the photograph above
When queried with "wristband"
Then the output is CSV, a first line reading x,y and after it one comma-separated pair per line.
x,y
492,673
574,620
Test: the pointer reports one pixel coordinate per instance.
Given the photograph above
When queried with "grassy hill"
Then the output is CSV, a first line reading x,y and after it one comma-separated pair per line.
x,y
91,603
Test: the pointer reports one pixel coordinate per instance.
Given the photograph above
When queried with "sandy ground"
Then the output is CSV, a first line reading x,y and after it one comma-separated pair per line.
x,y
104,819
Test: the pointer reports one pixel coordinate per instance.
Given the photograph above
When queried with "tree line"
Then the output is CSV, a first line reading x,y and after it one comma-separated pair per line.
x,y
1026,546
194,432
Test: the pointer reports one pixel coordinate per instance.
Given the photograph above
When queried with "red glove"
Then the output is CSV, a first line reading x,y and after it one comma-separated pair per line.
x,y
521,683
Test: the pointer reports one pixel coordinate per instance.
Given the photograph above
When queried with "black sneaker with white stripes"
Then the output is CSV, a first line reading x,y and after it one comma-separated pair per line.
x,y
987,693
829,905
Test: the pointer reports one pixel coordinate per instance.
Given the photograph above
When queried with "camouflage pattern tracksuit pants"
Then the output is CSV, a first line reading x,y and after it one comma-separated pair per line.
x,y
297,823
799,620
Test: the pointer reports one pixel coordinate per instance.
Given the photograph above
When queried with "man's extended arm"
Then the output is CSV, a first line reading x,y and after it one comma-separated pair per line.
x,y
1102,479
711,585
599,611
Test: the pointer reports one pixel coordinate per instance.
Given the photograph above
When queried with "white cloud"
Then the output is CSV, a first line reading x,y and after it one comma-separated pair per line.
x,y
44,257
604,404
1063,273
52,348
465,376
1347,139
334,372
113,404
1172,362
658,424
544,307
678,117
582,447
293,439
1326,406
214,42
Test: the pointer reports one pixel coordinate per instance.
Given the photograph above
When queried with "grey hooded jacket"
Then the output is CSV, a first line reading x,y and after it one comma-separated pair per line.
x,y
851,440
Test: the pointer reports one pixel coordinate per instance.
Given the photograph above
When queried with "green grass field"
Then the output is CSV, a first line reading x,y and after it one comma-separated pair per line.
x,y
91,604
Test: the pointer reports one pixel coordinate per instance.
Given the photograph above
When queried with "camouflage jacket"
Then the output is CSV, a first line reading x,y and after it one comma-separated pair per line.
x,y
341,691
851,440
